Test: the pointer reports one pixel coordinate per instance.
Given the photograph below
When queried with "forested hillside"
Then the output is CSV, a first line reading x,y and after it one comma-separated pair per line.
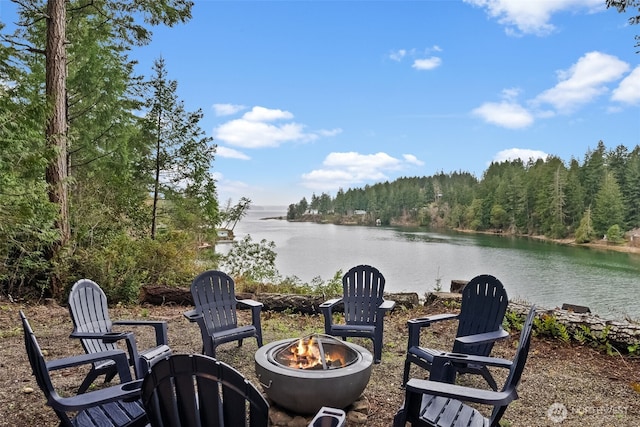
x,y
587,199
103,173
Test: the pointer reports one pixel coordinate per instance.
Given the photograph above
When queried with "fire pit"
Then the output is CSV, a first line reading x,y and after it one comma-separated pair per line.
x,y
305,374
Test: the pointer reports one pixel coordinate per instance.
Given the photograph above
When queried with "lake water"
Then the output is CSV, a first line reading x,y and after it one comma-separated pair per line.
x,y
413,259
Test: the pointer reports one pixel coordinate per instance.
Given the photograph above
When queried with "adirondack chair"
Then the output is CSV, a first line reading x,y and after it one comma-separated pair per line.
x,y
364,307
433,403
117,405
198,390
215,312
93,326
484,303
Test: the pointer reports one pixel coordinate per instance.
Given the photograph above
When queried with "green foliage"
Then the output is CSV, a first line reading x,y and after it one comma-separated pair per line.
x,y
585,232
124,265
513,320
548,325
584,335
609,205
614,234
250,262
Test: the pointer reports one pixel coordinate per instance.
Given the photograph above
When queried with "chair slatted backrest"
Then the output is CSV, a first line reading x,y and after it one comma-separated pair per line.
x,y
90,313
519,361
190,390
363,289
214,295
484,304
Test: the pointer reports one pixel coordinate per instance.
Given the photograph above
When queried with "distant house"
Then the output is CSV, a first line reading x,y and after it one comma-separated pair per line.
x,y
359,212
312,211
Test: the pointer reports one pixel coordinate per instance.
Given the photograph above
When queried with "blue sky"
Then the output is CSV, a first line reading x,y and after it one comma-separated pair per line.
x,y
307,97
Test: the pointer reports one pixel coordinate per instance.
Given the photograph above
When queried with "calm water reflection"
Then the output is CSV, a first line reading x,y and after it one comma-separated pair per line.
x,y
413,259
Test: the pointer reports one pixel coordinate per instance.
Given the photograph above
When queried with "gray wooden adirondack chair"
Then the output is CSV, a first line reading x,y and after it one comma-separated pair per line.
x,y
117,405
364,307
215,312
198,390
93,326
484,303
433,403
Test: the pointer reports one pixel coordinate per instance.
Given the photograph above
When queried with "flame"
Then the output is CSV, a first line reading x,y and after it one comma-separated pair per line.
x,y
306,355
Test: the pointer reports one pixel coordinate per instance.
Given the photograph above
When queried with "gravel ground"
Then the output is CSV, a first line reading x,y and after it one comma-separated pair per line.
x,y
582,385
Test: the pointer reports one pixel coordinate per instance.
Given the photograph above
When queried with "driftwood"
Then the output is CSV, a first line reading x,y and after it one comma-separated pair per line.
x,y
619,333
307,304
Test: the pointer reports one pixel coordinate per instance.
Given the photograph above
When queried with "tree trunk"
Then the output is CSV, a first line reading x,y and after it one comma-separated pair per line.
x,y
56,132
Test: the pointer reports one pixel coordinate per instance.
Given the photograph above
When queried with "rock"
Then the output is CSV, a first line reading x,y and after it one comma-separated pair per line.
x,y
457,286
27,390
356,418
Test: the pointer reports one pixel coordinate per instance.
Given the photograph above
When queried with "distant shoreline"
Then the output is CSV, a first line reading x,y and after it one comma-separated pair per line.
x,y
602,245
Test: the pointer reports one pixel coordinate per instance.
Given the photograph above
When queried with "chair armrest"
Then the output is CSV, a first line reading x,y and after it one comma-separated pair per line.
x,y
160,327
128,392
415,325
118,356
250,303
426,321
483,338
330,303
466,394
445,357
108,337
387,305
192,315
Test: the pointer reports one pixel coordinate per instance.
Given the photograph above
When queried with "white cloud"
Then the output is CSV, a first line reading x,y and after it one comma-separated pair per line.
x,y
261,114
410,158
230,153
519,153
583,82
227,109
427,63
506,114
256,130
628,91
349,169
397,55
532,16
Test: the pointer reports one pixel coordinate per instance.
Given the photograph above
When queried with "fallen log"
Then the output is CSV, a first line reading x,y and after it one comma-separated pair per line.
x,y
299,303
620,334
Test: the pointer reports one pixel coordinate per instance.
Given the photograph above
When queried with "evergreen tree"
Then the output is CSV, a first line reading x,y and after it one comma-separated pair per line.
x,y
585,232
181,156
608,209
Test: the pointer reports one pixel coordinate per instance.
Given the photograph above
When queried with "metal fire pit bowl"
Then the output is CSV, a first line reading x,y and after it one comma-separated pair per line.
x,y
305,391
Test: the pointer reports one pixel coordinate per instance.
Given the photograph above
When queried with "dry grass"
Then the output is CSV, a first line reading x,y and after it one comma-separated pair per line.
x,y
597,390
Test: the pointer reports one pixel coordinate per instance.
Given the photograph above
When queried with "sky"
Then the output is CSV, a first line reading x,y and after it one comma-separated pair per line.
x,y
306,97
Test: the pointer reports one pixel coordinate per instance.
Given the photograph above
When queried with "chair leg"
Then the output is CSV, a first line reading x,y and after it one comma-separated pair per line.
x,y
240,342
91,377
377,352
405,374
484,371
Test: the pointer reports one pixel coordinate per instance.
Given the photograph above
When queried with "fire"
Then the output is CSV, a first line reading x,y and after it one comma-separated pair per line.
x,y
306,354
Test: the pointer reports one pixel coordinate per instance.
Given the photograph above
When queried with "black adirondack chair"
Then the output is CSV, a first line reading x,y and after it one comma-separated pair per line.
x,y
198,390
433,403
364,307
484,303
215,303
117,405
93,326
